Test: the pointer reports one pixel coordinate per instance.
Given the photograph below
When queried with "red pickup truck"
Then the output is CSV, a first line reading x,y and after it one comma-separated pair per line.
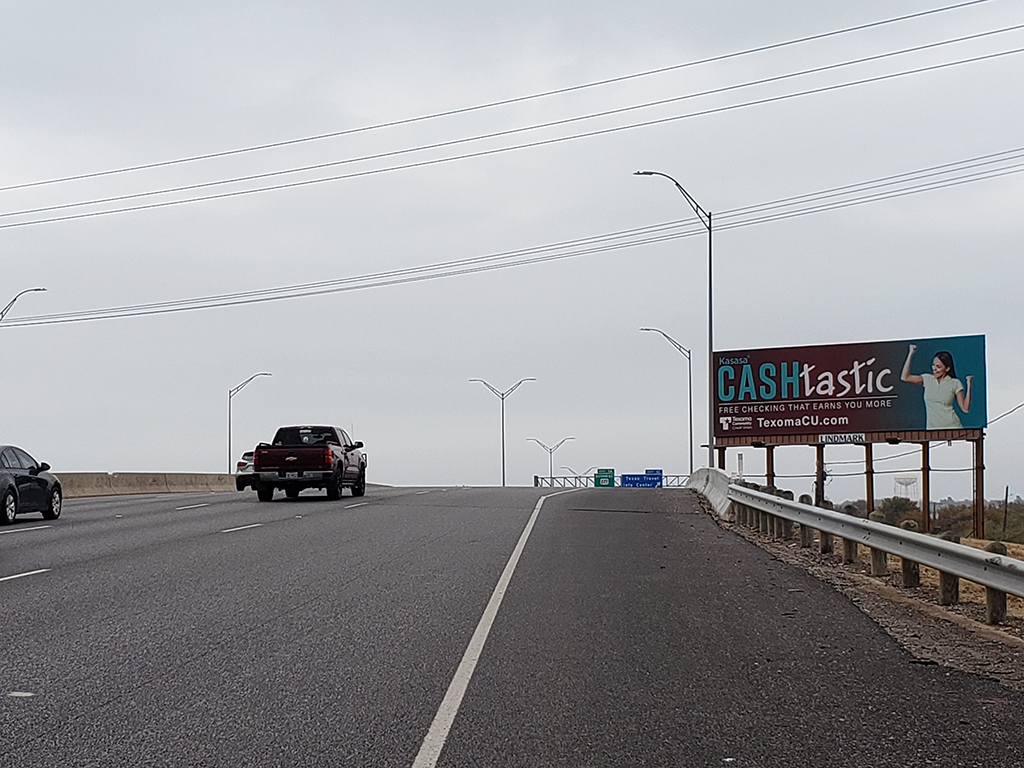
x,y
309,457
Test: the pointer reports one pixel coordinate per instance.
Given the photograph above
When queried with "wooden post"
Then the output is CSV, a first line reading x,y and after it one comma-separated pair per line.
x,y
926,471
949,585
825,539
911,570
879,559
995,601
769,462
721,457
806,534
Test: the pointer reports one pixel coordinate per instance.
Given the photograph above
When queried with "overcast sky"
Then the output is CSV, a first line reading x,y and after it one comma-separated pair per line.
x,y
97,87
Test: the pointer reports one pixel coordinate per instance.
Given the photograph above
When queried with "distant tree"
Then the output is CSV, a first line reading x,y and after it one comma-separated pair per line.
x,y
897,508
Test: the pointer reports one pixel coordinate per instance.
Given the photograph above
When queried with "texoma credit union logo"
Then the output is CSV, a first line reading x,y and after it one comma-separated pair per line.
x,y
735,423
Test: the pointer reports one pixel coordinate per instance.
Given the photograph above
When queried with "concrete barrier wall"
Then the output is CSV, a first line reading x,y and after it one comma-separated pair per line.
x,y
713,485
81,484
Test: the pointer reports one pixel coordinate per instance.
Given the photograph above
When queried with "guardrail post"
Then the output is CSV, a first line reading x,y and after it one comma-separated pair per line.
x,y
949,585
995,601
879,559
773,520
806,534
763,518
850,544
911,570
825,543
786,531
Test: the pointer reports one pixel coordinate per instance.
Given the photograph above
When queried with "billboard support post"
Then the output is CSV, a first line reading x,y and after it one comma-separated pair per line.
x,y
819,474
926,472
979,487
769,462
869,478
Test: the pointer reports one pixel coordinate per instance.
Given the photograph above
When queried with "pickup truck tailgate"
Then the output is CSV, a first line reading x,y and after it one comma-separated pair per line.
x,y
293,459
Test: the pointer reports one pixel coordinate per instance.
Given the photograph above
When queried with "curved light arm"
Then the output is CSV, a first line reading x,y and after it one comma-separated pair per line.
x,y
704,216
550,449
240,387
5,310
683,350
508,391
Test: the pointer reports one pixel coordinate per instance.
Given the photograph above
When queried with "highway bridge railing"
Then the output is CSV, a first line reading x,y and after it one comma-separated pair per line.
x,y
772,514
589,481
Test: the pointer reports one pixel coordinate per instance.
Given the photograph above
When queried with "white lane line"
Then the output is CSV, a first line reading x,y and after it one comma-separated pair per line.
x,y
422,493
27,573
242,528
192,506
360,504
22,530
434,741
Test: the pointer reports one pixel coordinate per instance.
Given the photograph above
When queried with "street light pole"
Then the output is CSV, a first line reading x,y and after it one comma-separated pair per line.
x,y
5,310
501,396
551,455
231,395
705,219
689,383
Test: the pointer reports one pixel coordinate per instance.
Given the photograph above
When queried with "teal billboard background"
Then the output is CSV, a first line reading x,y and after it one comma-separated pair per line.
x,y
840,388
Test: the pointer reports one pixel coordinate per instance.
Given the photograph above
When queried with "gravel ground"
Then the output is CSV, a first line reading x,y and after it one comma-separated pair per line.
x,y
952,636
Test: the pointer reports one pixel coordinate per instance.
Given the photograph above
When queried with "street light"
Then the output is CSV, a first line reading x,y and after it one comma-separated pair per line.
x,y
5,310
551,454
689,382
502,396
231,394
705,219
574,473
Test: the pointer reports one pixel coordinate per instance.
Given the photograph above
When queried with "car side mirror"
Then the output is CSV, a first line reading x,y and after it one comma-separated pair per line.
x,y
44,467
357,444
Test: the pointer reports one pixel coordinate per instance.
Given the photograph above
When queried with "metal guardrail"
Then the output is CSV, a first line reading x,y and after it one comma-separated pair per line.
x,y
587,481
999,572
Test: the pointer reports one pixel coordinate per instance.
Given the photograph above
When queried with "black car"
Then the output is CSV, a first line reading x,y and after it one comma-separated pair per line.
x,y
26,486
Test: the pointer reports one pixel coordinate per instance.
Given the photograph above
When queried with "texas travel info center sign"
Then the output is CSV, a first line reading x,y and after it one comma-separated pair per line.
x,y
840,392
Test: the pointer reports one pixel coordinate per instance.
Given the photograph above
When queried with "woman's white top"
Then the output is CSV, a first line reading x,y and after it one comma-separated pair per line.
x,y
939,395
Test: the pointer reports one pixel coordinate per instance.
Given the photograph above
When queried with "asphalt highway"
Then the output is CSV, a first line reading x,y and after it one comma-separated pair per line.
x,y
453,627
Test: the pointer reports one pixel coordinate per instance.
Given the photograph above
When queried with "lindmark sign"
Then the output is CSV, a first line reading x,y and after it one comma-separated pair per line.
x,y
855,438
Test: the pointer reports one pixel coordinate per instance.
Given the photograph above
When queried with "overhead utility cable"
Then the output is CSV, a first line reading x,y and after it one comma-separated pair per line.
x,y
507,132
613,241
500,150
489,105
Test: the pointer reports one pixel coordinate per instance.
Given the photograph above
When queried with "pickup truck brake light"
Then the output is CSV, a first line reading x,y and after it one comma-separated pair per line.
x,y
328,457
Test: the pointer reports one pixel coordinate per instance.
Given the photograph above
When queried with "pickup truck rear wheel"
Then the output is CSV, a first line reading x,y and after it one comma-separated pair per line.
x,y
334,487
359,489
265,493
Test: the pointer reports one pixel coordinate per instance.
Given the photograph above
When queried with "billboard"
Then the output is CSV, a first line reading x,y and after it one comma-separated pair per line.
x,y
841,391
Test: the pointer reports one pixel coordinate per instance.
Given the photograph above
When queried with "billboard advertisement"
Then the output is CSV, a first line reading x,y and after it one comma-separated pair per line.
x,y
841,391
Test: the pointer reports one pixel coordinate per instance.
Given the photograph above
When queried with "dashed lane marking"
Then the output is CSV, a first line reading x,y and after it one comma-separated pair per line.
x,y
242,528
27,573
23,530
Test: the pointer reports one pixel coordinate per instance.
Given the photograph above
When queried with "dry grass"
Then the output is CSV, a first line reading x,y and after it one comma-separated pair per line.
x,y
970,593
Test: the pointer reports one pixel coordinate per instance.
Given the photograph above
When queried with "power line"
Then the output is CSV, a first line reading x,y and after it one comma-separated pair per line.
x,y
489,105
630,238
500,150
